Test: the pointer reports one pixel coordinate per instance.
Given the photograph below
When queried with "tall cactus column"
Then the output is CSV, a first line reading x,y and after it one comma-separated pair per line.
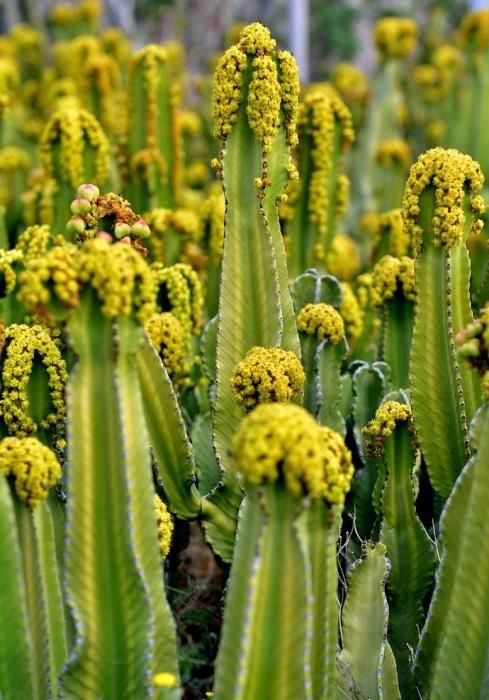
x,y
444,394
114,580
255,101
280,629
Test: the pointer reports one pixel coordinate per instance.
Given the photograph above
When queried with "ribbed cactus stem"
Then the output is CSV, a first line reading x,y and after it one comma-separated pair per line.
x,y
444,394
255,92
153,136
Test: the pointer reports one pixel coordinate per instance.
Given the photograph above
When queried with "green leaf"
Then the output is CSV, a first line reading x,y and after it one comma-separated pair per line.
x,y
364,622
409,550
219,517
208,471
16,671
263,648
329,360
167,434
452,658
53,606
141,495
106,592
208,348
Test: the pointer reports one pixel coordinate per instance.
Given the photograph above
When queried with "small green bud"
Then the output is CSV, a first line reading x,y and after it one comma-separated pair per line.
x,y
88,191
76,225
140,228
80,206
121,230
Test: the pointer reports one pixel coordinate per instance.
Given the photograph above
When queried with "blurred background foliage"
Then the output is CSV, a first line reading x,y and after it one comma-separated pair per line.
x,y
339,29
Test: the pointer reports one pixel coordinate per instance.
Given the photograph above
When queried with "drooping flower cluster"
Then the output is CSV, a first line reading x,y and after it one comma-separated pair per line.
x,y
448,172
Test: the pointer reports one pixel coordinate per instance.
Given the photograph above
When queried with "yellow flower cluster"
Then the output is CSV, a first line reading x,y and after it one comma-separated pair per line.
x,y
9,76
120,276
394,152
320,111
255,38
74,130
395,37
213,214
449,59
179,288
433,82
342,258
448,172
26,346
116,45
99,86
165,526
321,320
289,93
389,225
284,441
342,194
391,275
384,423
274,82
13,158
351,83
32,465
226,90
351,312
266,375
63,14
8,277
263,106
474,30
51,274
364,289
33,242
166,334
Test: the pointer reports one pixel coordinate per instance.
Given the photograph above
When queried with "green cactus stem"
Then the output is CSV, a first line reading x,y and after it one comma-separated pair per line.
x,y
279,560
444,395
319,200
255,93
390,438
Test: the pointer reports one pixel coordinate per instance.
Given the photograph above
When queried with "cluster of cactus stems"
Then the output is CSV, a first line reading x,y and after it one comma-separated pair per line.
x,y
304,377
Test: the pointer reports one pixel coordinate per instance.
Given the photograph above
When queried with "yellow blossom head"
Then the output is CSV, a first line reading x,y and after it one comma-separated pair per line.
x,y
387,416
351,313
394,152
388,234
165,526
321,320
474,30
8,277
166,333
266,375
273,83
179,290
33,467
33,242
283,441
75,130
351,83
395,37
342,258
322,114
450,174
391,275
